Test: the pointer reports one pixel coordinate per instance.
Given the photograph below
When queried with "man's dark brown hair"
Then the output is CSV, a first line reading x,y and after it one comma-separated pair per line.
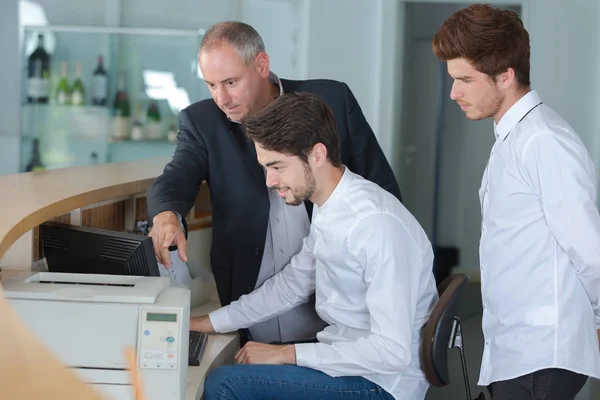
x,y
491,39
293,124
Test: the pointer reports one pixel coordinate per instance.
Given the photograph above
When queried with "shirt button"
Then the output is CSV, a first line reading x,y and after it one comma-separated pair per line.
x,y
256,251
277,220
280,251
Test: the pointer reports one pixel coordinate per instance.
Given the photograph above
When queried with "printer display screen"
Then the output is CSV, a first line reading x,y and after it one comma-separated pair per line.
x,y
161,317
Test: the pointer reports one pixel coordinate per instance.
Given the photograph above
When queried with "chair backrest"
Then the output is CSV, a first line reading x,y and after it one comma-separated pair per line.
x,y
437,330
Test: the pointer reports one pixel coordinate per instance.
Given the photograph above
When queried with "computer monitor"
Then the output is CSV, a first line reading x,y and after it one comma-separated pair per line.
x,y
82,250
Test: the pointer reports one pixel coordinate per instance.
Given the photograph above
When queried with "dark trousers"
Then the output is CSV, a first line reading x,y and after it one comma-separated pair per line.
x,y
546,384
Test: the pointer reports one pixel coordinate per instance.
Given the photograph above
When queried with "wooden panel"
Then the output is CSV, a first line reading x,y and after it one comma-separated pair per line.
x,y
141,209
200,218
107,216
202,205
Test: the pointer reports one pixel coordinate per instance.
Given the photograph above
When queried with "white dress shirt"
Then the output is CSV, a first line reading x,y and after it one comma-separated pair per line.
x,y
539,249
370,263
286,229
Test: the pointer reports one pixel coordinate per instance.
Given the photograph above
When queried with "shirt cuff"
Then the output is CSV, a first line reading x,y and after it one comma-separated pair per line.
x,y
221,321
306,355
180,220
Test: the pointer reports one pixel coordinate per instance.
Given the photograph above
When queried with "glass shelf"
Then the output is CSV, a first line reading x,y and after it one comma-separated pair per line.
x,y
156,66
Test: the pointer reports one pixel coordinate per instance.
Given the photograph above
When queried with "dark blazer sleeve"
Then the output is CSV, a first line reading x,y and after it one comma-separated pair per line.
x,y
177,187
368,160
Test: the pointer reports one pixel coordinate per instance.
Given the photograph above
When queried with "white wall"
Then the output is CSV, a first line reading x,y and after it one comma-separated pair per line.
x,y
281,25
342,38
182,14
565,63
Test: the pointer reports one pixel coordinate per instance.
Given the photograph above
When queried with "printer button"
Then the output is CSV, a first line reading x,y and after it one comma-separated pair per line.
x,y
162,338
170,339
147,355
171,355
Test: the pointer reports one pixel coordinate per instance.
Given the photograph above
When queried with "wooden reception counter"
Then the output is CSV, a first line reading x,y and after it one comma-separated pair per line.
x,y
109,196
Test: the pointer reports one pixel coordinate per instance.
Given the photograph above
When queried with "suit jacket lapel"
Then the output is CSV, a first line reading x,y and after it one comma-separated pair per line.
x,y
246,148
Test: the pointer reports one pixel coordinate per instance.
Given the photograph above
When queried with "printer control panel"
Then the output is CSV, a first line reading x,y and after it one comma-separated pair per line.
x,y
159,339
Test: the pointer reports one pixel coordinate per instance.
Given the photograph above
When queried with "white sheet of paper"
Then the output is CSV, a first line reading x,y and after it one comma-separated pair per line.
x,y
179,270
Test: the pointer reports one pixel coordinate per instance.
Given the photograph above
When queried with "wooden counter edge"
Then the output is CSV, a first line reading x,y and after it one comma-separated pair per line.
x,y
68,204
220,349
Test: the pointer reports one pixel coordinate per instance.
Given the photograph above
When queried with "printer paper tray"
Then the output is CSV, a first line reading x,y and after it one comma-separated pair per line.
x,y
110,376
112,383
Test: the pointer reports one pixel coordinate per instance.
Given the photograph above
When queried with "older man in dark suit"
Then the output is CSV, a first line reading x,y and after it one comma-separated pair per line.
x,y
255,232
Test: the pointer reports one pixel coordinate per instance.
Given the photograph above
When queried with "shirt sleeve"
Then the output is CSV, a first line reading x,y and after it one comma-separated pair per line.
x,y
282,292
563,174
393,262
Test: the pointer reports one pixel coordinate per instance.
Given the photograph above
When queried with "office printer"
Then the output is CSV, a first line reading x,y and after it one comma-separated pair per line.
x,y
89,320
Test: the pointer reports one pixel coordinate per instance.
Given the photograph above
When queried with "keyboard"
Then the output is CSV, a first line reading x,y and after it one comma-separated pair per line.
x,y
197,345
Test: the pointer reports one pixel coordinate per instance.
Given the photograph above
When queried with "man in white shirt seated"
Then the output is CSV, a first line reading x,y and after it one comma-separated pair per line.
x,y
540,240
366,257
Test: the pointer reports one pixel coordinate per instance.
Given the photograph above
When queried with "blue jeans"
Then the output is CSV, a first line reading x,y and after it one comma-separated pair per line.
x,y
288,382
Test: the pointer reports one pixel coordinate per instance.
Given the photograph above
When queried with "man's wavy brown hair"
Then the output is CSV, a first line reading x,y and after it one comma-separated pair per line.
x,y
491,39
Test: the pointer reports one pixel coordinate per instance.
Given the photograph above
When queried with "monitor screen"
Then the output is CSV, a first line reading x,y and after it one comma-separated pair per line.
x,y
78,249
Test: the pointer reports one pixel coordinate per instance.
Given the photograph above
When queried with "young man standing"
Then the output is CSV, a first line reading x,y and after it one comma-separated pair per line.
x,y
366,258
540,239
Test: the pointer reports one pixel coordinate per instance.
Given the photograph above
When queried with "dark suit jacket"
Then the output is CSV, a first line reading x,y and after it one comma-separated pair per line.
x,y
212,148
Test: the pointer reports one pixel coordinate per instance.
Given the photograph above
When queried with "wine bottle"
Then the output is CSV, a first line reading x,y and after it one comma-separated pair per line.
x,y
122,111
38,74
153,127
78,90
121,105
63,90
35,163
99,84
94,158
137,130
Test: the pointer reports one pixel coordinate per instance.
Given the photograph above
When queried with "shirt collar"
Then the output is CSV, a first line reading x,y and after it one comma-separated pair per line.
x,y
273,79
516,113
339,189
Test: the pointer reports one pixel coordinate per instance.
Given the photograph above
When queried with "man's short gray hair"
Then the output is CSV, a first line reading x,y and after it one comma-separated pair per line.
x,y
244,39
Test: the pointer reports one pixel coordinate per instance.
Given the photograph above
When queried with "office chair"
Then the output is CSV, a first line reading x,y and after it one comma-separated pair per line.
x,y
443,331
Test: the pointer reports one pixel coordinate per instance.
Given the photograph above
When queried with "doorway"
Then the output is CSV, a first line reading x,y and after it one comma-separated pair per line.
x,y
443,154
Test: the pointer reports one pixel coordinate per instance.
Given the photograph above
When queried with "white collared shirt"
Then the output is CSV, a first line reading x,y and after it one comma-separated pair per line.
x,y
370,263
539,249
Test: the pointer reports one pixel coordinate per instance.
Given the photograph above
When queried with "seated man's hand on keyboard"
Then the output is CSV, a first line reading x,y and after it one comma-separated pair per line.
x,y
201,324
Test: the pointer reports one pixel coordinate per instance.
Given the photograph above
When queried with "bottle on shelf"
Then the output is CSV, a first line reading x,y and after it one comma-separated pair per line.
x,y
137,130
38,74
122,111
153,126
99,84
94,158
78,90
63,89
35,163
172,133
